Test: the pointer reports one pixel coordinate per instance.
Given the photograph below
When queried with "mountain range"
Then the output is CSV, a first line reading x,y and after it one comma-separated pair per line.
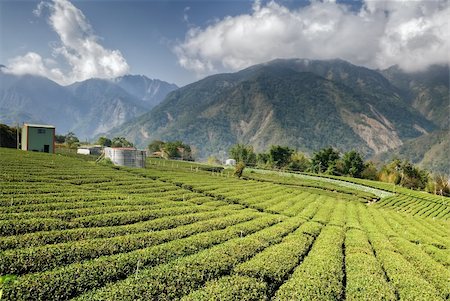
x,y
306,104
87,108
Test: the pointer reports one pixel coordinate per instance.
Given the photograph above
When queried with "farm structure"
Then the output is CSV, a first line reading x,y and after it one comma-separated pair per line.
x,y
38,138
231,162
90,150
126,156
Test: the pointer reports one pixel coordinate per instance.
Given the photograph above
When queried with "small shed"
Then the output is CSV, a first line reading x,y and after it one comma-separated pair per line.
x,y
126,156
230,162
89,150
38,138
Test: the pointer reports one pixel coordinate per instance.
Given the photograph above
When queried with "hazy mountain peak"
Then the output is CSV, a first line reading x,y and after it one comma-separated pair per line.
x,y
87,108
150,91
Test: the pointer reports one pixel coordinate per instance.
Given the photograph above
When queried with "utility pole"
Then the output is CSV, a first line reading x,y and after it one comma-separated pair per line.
x,y
17,136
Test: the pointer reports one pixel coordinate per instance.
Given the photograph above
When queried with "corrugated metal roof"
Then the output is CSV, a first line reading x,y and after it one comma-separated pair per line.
x,y
39,125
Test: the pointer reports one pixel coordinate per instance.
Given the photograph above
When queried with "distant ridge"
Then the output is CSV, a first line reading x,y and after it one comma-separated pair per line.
x,y
306,104
88,108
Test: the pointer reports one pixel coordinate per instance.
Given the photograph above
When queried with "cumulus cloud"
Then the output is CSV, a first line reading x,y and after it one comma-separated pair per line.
x,y
411,34
78,47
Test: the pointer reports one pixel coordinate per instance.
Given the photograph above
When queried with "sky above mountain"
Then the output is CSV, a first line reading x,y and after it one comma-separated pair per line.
x,y
183,41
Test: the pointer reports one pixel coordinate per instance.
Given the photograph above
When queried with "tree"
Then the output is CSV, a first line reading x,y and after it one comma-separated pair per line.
x,y
171,149
239,169
352,164
299,162
176,150
103,141
243,153
405,174
370,171
156,146
71,140
324,160
121,142
8,136
60,139
280,156
413,177
262,160
439,185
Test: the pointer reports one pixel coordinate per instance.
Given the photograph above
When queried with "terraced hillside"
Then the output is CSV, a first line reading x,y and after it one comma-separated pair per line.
x,y
73,229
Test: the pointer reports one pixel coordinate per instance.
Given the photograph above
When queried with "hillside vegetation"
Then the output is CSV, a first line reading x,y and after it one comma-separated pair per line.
x,y
304,104
73,229
428,151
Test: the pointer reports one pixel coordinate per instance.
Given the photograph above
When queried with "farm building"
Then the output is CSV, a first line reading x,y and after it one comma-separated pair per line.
x,y
231,162
90,150
126,156
38,138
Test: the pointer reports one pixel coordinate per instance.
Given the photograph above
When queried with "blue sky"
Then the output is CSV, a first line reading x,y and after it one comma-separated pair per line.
x,y
183,41
144,31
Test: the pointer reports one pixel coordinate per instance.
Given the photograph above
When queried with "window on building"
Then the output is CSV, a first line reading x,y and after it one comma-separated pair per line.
x,y
41,131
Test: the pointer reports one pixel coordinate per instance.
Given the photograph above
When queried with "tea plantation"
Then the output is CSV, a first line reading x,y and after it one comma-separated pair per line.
x,y
74,229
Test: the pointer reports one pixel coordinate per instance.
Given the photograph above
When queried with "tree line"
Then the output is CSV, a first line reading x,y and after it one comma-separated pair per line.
x,y
171,150
332,162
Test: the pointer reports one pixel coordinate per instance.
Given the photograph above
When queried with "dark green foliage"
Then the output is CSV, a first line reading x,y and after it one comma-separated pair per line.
x,y
71,140
243,153
405,174
104,141
171,149
121,142
325,160
8,136
299,162
212,168
352,164
262,160
370,171
280,156
177,150
156,146
60,139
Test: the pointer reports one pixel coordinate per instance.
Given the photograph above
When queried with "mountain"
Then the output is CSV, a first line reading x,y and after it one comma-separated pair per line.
x,y
104,105
429,151
305,104
427,91
36,99
87,108
150,91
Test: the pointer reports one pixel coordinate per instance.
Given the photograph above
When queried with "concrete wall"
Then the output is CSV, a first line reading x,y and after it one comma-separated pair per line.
x,y
38,139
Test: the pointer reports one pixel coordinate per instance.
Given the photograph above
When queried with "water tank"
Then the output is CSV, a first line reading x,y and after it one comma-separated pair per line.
x,y
124,156
140,158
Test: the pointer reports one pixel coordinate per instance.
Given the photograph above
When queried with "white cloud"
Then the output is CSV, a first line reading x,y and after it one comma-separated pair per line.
x,y
78,47
412,34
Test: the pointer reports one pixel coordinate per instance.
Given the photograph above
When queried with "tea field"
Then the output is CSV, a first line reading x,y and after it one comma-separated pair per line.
x,y
72,229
